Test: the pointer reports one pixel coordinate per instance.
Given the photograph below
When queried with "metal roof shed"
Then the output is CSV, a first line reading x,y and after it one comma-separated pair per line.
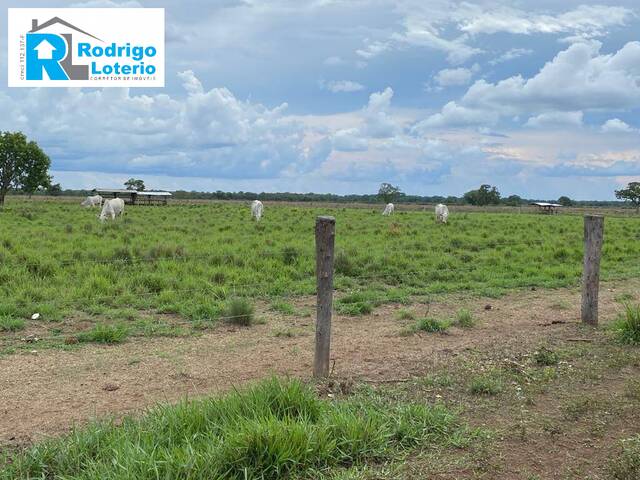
x,y
133,197
548,208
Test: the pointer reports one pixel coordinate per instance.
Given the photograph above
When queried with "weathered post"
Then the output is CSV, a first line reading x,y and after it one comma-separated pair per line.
x,y
593,237
325,236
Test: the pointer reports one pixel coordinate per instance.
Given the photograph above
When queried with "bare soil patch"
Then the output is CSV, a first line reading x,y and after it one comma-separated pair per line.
x,y
47,392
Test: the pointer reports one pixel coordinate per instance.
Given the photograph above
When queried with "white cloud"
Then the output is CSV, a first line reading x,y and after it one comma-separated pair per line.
x,y
615,125
455,115
511,55
334,61
554,119
337,86
421,32
379,123
579,78
449,77
373,49
208,132
586,20
453,76
349,140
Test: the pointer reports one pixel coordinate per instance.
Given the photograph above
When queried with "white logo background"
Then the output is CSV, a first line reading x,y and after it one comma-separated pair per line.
x,y
135,26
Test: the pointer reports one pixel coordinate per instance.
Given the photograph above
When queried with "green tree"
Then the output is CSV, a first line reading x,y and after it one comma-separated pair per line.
x,y
565,201
485,195
23,164
388,192
135,184
54,189
513,200
630,194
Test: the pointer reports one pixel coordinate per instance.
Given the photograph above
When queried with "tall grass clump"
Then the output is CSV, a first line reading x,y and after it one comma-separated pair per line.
x,y
464,318
276,429
627,325
105,333
239,311
428,325
11,324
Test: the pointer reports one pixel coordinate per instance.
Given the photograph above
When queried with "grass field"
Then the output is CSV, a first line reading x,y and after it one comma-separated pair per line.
x,y
57,259
449,364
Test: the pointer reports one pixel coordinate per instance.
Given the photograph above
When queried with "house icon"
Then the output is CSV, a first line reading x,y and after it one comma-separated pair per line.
x,y
45,50
57,20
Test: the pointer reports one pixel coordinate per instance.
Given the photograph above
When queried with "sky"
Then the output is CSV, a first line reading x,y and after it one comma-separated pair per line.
x,y
540,98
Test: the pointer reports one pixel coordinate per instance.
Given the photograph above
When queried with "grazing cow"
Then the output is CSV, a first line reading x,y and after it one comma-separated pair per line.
x,y
112,208
95,201
442,212
388,210
256,209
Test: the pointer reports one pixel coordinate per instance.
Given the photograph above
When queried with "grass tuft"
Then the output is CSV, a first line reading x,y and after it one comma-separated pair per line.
x,y
104,333
486,384
239,311
627,325
545,357
276,429
464,318
11,324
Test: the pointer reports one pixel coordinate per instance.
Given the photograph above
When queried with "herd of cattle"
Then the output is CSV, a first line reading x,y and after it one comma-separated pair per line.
x,y
115,207
442,212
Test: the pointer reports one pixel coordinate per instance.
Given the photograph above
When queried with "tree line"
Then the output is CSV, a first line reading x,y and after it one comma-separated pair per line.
x,y
24,169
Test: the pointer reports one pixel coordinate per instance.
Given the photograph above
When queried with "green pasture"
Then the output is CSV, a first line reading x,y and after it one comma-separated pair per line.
x,y
57,259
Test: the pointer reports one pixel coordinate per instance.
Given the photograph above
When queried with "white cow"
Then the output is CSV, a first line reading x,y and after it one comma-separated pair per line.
x,y
442,212
112,208
256,209
388,210
95,201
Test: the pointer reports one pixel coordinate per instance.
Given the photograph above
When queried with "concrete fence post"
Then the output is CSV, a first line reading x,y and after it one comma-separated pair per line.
x,y
325,236
593,238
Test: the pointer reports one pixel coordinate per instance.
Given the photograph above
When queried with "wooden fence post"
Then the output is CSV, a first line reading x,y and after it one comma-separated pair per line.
x,y
325,236
593,237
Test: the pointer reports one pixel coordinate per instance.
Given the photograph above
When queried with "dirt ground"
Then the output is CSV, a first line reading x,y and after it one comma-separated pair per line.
x,y
47,392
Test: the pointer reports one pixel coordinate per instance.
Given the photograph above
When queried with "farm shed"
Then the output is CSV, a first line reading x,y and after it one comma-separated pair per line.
x,y
132,197
548,208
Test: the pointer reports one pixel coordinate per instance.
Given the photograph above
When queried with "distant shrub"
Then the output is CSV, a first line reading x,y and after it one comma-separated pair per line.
x,y
68,228
104,333
627,325
10,324
239,311
464,318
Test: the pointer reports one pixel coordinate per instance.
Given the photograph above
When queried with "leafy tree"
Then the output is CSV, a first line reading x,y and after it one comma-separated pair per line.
x,y
23,164
485,195
565,201
135,184
630,194
54,190
388,192
513,200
